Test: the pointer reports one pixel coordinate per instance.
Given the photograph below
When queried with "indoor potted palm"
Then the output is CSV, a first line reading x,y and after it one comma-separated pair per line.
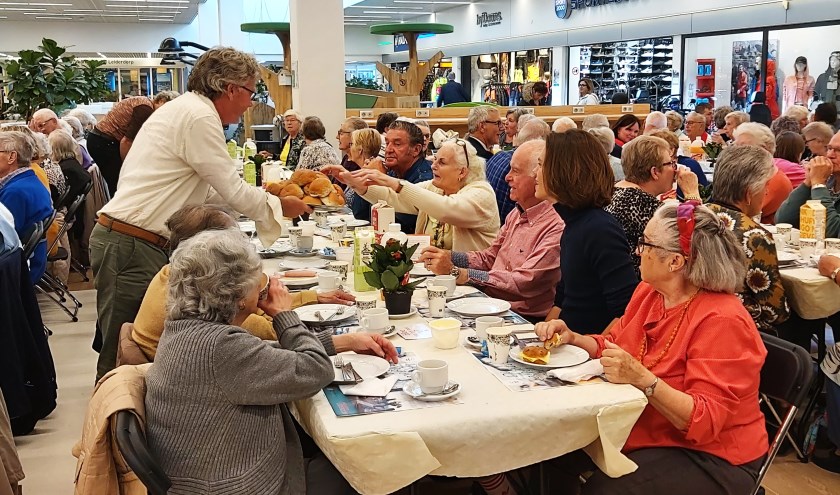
x,y
390,265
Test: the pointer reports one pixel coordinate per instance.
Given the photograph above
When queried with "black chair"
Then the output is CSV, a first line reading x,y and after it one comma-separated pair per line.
x,y
786,376
31,239
132,444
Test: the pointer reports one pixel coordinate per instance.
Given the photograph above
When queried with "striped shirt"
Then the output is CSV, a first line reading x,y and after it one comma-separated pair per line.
x,y
126,117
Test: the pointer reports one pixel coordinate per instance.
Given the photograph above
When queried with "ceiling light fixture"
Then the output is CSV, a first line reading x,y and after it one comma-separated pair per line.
x,y
101,55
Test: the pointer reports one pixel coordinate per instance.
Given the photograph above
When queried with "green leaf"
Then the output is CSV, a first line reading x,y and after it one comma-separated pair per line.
x,y
372,279
410,251
399,270
390,281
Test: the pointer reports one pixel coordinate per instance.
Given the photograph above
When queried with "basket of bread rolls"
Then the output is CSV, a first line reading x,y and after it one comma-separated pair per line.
x,y
314,188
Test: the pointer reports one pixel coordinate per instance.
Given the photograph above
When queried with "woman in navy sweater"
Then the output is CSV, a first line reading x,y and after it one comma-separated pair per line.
x,y
598,278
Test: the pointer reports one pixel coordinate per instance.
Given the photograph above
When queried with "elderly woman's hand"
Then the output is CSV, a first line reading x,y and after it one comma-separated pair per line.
x,y
621,367
546,330
345,177
688,182
370,177
366,343
278,299
436,260
336,297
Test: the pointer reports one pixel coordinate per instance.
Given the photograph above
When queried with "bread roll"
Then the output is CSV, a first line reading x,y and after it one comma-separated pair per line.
x,y
292,190
303,177
321,175
273,188
535,354
312,201
554,341
335,198
338,189
320,187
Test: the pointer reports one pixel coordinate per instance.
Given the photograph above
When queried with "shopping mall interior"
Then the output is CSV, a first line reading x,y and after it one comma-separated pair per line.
x,y
561,61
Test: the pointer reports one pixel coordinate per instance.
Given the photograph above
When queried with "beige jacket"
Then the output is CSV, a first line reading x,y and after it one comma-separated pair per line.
x,y
472,212
101,468
11,472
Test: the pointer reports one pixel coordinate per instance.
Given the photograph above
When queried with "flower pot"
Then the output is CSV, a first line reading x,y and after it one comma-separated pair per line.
x,y
398,303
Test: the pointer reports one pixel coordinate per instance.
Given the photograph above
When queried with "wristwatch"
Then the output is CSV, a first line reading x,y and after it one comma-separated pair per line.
x,y
455,272
401,183
833,275
649,390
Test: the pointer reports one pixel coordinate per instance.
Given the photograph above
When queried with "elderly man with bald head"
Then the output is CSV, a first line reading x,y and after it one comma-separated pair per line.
x,y
44,120
523,263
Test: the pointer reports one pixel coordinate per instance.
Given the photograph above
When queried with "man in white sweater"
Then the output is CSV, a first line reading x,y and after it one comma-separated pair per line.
x,y
178,158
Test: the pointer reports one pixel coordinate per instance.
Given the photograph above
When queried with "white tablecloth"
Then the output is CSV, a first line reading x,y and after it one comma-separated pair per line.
x,y
493,430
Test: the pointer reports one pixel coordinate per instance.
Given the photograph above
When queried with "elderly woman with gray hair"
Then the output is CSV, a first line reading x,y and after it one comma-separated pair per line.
x,y
457,208
689,345
742,175
213,384
779,187
317,152
181,158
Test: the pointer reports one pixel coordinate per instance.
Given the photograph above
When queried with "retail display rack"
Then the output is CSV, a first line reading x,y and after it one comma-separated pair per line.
x,y
632,66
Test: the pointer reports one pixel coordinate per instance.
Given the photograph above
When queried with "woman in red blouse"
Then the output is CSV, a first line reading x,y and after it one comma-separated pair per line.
x,y
688,343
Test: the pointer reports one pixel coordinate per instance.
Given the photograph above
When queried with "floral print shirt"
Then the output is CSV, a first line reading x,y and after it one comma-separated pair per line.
x,y
316,154
763,294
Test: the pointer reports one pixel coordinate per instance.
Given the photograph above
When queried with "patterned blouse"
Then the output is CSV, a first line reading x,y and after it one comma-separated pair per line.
x,y
56,178
316,154
763,294
295,148
633,208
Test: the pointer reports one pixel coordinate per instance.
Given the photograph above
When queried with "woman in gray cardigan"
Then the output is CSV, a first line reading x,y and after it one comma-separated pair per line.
x,y
215,402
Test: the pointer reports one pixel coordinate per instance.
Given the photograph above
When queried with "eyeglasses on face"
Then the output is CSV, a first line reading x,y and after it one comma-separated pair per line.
x,y
671,163
642,244
497,123
835,149
253,92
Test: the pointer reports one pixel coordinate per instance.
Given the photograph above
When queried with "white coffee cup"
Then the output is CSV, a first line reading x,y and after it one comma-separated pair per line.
x,y
284,227
445,332
340,267
328,280
447,281
364,303
794,237
374,320
482,323
832,245
337,231
432,375
305,242
308,227
498,344
781,242
807,248
344,254
784,229
437,300
294,235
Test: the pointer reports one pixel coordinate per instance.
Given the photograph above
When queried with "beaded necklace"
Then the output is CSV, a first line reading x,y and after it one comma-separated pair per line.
x,y
643,346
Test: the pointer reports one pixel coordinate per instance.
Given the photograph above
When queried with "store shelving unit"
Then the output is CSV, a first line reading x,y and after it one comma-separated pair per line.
x,y
706,79
641,66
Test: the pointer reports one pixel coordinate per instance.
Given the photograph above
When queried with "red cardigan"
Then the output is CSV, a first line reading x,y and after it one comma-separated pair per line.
x,y
716,358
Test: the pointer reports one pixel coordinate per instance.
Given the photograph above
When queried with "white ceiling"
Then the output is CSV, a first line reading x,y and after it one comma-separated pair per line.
x,y
133,11
368,12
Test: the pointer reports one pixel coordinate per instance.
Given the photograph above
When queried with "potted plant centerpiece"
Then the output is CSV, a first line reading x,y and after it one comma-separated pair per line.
x,y
390,265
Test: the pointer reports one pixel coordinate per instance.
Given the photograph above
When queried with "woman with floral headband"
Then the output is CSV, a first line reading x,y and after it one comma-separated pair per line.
x,y
687,342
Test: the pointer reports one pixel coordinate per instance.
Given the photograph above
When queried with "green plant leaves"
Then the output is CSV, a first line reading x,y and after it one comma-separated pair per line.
x,y
390,281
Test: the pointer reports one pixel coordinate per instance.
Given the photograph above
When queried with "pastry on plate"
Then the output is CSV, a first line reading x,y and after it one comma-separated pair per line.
x,y
536,354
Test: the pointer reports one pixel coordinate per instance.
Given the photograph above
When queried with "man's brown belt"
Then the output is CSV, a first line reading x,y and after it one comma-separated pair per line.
x,y
131,230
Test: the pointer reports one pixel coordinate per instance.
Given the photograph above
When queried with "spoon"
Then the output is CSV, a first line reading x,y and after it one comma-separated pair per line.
x,y
447,390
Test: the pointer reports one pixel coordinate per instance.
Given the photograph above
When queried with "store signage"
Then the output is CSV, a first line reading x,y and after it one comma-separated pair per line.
x,y
401,44
564,8
486,19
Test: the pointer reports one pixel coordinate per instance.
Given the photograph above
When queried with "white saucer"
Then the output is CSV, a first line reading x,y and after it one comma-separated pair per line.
x,y
404,315
413,390
392,330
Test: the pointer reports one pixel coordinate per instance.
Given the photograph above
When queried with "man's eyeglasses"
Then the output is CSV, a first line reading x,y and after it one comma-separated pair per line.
x,y
253,93
497,123
832,148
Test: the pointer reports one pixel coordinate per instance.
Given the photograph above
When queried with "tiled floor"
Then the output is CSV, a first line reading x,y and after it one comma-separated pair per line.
x,y
50,467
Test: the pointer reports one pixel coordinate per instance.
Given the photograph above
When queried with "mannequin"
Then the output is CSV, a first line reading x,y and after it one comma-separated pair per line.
x,y
799,87
772,89
827,89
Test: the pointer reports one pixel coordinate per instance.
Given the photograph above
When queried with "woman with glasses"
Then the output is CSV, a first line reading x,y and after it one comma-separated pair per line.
x,y
650,170
457,208
817,135
598,275
292,142
689,345
586,88
742,174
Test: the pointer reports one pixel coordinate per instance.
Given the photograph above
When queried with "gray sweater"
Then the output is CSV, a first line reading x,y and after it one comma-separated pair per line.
x,y
789,210
215,405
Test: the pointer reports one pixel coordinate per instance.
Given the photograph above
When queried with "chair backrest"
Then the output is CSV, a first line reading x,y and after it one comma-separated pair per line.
x,y
62,200
132,444
49,220
31,239
128,352
787,371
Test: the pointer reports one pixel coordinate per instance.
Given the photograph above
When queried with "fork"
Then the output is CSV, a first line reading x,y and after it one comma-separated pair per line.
x,y
338,312
345,375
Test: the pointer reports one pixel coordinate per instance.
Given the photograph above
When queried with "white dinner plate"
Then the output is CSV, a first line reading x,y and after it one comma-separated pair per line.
x,y
787,256
404,315
413,390
307,313
366,366
352,224
461,291
420,270
297,281
303,264
561,357
478,306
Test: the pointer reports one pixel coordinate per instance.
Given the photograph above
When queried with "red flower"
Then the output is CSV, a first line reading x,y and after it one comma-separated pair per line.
x,y
397,255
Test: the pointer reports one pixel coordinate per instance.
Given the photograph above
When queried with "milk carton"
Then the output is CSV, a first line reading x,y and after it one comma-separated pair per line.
x,y
812,220
362,253
381,215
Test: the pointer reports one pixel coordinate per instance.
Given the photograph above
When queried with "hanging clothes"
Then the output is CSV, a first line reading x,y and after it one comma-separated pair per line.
x,y
518,76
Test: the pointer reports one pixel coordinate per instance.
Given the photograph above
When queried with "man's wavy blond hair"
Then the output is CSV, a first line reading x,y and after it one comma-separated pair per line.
x,y
220,66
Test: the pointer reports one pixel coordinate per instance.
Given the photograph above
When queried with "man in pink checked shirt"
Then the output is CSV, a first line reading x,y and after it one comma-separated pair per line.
x,y
522,265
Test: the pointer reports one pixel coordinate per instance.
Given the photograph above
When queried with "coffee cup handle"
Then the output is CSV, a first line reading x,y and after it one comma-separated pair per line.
x,y
364,322
415,377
